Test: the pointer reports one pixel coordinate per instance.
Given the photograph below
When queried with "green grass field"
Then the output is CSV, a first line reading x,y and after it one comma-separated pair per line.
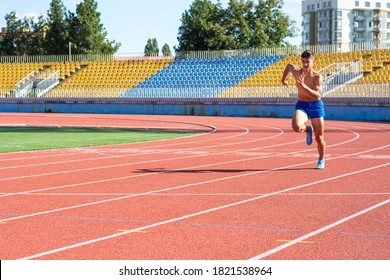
x,y
16,139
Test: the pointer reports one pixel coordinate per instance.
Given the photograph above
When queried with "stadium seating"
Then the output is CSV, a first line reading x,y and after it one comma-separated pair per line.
x,y
231,77
107,78
12,73
200,77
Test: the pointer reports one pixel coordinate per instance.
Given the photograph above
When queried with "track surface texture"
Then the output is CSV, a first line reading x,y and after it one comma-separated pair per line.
x,y
244,188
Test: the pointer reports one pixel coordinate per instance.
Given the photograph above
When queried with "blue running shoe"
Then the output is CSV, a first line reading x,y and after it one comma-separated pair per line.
x,y
321,164
309,135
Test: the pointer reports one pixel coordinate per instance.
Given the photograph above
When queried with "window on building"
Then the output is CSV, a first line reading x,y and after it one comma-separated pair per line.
x,y
356,3
378,4
329,4
359,36
325,4
367,4
388,5
323,15
338,13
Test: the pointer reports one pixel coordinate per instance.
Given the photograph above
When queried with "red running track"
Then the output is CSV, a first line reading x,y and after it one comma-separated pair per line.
x,y
245,188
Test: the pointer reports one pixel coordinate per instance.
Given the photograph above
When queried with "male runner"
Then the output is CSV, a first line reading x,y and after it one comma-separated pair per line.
x,y
309,105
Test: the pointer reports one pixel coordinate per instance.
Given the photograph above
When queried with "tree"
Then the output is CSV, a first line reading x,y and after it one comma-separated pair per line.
x,y
277,26
151,48
54,34
240,19
242,25
75,38
166,50
23,36
57,36
90,34
203,27
38,31
13,37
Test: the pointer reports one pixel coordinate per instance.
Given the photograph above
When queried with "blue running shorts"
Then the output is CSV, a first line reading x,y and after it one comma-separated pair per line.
x,y
313,110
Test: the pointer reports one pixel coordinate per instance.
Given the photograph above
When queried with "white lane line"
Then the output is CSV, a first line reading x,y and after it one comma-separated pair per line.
x,y
134,163
157,172
210,194
318,231
245,131
199,213
154,191
185,157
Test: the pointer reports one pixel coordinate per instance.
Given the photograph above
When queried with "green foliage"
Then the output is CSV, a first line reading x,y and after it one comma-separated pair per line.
x,y
57,35
11,41
243,24
166,50
91,35
151,48
54,33
203,27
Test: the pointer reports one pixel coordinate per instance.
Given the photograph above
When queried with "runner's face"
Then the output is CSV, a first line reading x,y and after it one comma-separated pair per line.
x,y
307,63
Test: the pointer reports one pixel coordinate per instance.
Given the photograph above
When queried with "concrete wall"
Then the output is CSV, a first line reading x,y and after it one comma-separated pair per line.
x,y
344,111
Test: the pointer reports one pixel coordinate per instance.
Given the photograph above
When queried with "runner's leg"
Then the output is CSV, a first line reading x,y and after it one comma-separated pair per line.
x,y
298,121
319,128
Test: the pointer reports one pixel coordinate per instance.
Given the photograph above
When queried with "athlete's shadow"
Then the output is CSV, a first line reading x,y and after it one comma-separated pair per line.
x,y
195,171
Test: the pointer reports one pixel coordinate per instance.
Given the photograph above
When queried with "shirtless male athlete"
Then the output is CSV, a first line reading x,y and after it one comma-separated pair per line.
x,y
309,105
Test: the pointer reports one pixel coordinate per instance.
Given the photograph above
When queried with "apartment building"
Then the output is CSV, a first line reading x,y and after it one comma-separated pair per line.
x,y
327,22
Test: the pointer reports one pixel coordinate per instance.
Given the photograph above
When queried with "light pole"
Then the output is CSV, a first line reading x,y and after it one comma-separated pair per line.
x,y
70,51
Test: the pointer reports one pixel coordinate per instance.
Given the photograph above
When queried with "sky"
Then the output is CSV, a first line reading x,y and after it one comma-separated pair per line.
x,y
133,22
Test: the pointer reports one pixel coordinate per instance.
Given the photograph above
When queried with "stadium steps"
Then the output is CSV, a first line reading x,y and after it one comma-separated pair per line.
x,y
108,78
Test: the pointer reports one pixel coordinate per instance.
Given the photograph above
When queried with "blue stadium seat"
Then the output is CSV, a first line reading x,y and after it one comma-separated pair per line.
x,y
200,77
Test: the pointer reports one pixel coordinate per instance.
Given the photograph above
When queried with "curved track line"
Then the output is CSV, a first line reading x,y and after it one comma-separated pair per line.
x,y
184,157
190,185
155,192
155,173
203,212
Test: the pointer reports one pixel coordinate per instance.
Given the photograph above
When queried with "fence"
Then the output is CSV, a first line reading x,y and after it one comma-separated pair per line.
x,y
347,47
240,94
335,85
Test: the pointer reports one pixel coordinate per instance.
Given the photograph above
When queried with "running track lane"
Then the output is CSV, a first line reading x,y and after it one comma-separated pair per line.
x,y
244,188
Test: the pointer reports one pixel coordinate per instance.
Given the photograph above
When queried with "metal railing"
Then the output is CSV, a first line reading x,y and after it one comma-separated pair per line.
x,y
335,85
295,50
44,83
37,83
369,90
340,74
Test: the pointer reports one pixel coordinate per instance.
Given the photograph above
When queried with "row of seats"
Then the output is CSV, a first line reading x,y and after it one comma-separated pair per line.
x,y
211,75
112,77
175,78
12,73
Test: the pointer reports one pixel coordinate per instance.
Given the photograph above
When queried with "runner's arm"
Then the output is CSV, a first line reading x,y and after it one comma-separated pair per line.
x,y
289,68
